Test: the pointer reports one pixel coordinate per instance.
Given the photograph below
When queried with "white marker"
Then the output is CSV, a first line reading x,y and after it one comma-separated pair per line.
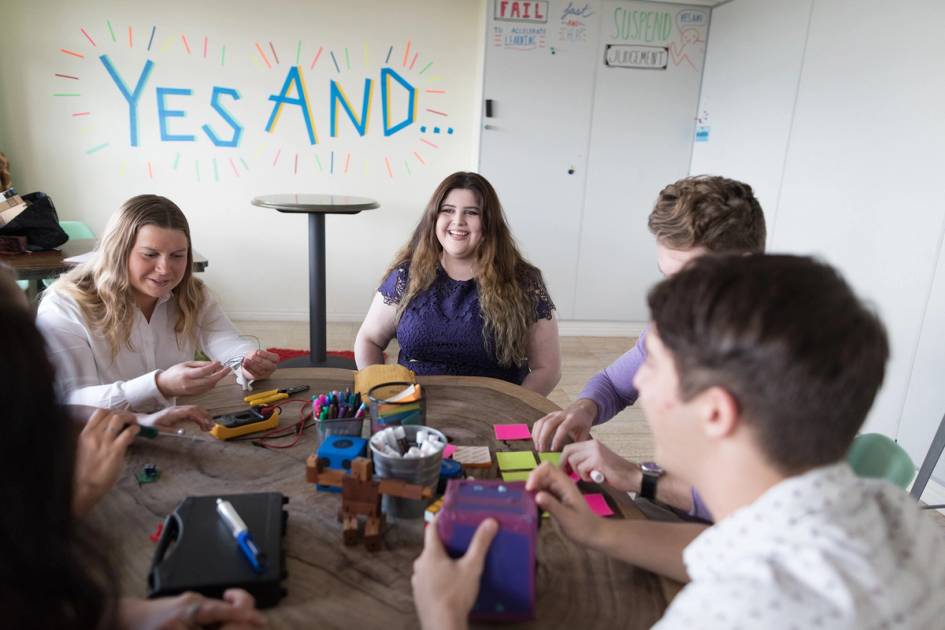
x,y
597,476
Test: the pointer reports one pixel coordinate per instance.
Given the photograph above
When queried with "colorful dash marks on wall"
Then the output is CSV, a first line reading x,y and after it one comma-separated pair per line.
x,y
398,85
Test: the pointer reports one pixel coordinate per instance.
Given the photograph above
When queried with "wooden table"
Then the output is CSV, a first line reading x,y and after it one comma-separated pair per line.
x,y
333,586
316,207
37,266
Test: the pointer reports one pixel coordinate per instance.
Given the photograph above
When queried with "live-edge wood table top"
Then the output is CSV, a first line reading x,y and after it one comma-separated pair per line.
x,y
333,586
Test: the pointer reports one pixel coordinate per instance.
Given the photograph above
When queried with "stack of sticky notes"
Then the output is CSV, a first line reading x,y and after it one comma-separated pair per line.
x,y
598,504
516,465
509,432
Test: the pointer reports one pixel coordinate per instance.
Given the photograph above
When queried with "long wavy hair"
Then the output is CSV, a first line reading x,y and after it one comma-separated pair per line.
x,y
53,574
502,273
102,288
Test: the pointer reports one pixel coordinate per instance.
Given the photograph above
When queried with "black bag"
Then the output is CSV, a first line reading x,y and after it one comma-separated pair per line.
x,y
39,223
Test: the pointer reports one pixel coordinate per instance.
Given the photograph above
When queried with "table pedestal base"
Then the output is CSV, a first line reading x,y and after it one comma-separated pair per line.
x,y
330,362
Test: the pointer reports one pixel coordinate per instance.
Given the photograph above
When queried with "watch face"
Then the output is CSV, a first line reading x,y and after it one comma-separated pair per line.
x,y
651,468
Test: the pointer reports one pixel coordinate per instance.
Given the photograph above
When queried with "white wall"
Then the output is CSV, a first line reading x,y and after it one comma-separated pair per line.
x,y
258,258
835,116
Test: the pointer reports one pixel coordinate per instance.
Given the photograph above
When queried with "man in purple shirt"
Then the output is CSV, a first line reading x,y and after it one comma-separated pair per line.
x,y
691,217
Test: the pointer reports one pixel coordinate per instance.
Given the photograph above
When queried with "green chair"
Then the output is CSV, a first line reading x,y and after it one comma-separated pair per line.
x,y
76,229
875,456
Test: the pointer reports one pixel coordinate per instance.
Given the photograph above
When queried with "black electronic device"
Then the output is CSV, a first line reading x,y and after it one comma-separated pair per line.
x,y
198,552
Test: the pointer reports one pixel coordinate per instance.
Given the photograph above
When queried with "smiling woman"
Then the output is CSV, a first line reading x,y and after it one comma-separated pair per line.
x,y
122,328
461,299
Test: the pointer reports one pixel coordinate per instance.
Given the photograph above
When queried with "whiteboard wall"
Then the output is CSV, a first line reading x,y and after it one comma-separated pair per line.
x,y
750,82
858,144
642,129
579,150
539,78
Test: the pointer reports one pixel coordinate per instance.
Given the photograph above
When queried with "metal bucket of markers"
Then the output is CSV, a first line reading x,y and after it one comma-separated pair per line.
x,y
345,418
396,404
420,470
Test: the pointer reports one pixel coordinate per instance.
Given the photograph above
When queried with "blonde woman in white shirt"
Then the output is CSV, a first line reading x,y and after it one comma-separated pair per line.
x,y
123,328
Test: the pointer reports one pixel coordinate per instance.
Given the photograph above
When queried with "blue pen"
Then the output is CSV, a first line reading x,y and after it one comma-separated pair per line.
x,y
241,533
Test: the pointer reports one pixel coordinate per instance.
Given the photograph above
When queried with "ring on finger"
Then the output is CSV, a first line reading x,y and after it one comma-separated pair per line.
x,y
192,612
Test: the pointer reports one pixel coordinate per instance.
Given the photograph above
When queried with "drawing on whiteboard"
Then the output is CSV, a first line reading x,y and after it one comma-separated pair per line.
x,y
218,138
642,26
702,133
571,12
521,11
573,28
691,17
636,56
691,38
519,37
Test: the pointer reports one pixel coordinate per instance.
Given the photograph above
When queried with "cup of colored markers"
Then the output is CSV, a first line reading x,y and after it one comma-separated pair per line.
x,y
337,412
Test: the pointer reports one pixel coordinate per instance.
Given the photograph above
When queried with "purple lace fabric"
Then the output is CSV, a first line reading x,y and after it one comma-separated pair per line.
x,y
440,332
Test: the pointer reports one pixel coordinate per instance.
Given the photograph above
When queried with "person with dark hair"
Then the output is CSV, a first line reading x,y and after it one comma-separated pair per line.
x,y
123,328
691,217
759,372
53,574
461,299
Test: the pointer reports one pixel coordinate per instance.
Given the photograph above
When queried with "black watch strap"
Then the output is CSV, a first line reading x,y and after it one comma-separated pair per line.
x,y
648,486
651,476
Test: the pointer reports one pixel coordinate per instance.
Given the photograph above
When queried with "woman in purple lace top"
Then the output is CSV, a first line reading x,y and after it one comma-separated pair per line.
x,y
461,299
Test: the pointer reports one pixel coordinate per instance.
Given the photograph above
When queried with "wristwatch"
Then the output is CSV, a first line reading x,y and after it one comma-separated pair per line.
x,y
651,475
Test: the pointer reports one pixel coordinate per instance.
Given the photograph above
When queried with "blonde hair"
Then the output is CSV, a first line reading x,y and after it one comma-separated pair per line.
x,y
509,286
101,286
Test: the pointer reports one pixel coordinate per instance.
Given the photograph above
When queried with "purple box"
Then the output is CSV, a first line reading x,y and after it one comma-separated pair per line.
x,y
507,589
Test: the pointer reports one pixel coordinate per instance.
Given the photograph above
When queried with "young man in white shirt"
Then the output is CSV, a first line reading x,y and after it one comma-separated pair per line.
x,y
760,371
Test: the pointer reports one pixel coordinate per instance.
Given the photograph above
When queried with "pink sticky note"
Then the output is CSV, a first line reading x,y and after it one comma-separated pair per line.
x,y
448,451
573,475
598,504
512,432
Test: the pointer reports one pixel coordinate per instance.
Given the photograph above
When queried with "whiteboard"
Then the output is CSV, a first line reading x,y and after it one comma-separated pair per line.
x,y
749,85
648,67
539,75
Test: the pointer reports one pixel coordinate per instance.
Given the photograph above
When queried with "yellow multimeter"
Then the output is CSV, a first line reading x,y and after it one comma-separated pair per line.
x,y
250,421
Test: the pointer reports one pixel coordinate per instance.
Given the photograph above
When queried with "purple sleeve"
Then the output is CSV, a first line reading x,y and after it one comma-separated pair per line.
x,y
699,509
394,286
612,388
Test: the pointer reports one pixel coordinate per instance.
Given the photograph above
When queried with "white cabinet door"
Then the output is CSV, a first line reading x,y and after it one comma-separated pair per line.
x,y
539,78
649,69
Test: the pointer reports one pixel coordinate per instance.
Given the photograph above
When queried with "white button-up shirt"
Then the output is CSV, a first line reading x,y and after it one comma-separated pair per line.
x,y
88,374
825,549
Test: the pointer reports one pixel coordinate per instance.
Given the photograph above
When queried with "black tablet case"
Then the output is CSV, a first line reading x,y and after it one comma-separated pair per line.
x,y
197,551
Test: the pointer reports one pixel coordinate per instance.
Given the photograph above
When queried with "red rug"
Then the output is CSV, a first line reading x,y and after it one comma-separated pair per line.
x,y
290,353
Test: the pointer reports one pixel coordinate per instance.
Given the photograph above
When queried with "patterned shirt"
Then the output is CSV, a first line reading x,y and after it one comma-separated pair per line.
x,y
825,549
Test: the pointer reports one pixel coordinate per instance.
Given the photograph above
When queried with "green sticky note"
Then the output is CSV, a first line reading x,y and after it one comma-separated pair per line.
x,y
551,458
515,475
516,460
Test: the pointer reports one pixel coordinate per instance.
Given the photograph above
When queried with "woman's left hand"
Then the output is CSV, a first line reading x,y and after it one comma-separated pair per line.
x,y
100,456
259,364
190,610
172,416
